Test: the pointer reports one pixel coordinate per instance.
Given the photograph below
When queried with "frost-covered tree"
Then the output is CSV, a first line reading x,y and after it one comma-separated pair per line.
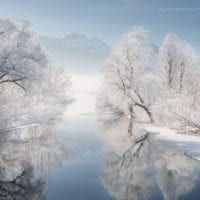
x,y
177,59
21,57
162,82
124,73
27,77
56,84
180,85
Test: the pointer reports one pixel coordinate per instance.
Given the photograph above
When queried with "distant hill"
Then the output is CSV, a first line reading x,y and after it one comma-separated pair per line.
x,y
75,52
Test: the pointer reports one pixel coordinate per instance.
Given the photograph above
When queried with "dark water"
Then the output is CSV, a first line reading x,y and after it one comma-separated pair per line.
x,y
90,157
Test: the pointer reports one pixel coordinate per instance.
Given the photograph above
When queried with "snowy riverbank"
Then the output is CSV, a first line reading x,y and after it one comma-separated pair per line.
x,y
189,144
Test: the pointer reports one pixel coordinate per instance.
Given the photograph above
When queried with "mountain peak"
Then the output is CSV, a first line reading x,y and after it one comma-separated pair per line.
x,y
71,34
76,51
79,40
75,35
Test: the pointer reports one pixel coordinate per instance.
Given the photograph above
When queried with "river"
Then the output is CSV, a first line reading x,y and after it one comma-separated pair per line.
x,y
87,157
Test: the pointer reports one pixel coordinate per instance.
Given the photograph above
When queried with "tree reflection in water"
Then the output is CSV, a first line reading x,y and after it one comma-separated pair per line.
x,y
23,187
26,156
138,166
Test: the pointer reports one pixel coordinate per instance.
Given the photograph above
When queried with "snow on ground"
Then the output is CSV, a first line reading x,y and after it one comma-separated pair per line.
x,y
189,144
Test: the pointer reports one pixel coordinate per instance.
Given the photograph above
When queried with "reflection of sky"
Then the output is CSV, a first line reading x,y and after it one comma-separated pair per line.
x,y
79,177
108,19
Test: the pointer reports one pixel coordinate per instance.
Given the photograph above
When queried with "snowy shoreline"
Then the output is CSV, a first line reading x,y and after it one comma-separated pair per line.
x,y
189,144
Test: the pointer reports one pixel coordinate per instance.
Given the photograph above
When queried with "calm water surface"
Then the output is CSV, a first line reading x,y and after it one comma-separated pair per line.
x,y
89,157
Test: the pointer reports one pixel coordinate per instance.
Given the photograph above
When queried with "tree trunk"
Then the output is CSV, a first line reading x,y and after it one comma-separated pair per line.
x,y
146,110
130,127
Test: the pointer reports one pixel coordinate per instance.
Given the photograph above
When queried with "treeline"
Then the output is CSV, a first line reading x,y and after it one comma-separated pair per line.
x,y
160,84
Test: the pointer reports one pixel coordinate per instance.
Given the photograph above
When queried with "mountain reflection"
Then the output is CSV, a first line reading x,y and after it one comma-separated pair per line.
x,y
27,154
138,167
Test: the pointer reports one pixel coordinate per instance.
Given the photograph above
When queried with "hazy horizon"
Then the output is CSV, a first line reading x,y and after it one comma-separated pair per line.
x,y
108,20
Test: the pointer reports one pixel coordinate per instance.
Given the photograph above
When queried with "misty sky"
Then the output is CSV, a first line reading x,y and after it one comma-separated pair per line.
x,y
109,19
